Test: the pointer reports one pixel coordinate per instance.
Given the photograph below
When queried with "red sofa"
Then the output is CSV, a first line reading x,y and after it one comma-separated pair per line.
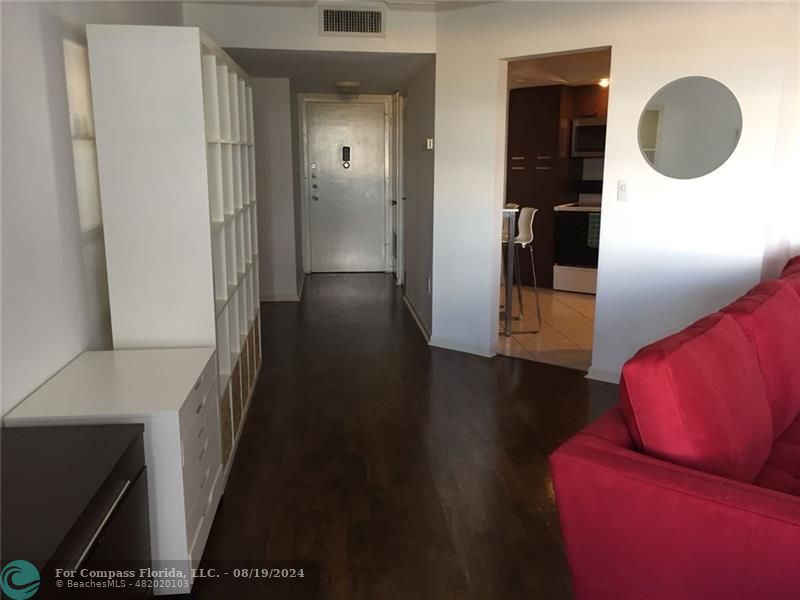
x,y
690,487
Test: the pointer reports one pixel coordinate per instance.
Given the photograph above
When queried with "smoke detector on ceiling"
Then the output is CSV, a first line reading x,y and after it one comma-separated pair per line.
x,y
352,20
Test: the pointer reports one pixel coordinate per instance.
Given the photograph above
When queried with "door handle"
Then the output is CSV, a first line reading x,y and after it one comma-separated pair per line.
x,y
315,198
394,202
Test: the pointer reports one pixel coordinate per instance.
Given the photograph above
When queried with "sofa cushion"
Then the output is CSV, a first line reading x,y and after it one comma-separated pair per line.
x,y
782,471
697,399
791,273
792,267
769,315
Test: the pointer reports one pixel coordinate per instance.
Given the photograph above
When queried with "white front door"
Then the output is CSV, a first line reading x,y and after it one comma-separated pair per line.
x,y
346,186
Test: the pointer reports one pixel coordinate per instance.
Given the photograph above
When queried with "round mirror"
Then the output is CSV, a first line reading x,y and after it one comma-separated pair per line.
x,y
690,127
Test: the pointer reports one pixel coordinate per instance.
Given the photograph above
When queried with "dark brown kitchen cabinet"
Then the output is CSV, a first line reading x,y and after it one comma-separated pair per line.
x,y
538,170
590,101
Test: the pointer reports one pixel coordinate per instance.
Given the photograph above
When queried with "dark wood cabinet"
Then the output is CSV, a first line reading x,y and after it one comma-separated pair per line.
x,y
589,101
538,166
75,497
540,172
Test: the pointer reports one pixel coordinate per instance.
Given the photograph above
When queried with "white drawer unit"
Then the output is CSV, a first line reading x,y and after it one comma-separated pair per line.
x,y
176,162
175,393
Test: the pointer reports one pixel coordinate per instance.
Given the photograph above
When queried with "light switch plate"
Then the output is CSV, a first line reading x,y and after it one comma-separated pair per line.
x,y
622,190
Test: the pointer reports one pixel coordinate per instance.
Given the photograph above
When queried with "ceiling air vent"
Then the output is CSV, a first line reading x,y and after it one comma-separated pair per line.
x,y
351,20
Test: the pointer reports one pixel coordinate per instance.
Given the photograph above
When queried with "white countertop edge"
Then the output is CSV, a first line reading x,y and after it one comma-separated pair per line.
x,y
87,419
572,207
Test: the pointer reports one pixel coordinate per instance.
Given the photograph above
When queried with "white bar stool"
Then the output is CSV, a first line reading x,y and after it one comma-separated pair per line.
x,y
524,239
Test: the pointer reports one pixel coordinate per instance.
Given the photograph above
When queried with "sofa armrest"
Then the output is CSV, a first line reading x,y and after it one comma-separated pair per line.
x,y
638,527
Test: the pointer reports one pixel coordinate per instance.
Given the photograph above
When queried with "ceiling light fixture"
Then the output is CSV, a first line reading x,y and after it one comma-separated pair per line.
x,y
348,88
603,83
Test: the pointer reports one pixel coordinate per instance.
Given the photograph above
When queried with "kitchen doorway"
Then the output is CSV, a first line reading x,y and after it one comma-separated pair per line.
x,y
556,131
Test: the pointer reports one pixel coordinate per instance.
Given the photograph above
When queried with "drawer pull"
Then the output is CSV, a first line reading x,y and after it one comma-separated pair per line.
x,y
203,451
517,158
205,481
544,157
543,168
202,429
200,406
518,168
102,525
199,382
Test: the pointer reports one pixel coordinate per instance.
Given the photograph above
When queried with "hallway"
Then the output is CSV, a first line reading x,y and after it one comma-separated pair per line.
x,y
406,471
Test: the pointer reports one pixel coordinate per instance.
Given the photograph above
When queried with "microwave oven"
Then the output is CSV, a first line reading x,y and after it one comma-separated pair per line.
x,y
588,137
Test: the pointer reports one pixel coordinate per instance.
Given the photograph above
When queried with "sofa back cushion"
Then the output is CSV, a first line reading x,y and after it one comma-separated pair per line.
x,y
792,267
791,273
697,399
769,315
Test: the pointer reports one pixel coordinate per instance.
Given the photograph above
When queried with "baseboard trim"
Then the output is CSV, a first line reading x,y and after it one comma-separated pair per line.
x,y
598,375
419,322
280,298
459,347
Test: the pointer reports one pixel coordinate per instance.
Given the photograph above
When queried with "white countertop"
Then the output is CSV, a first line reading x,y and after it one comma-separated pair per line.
x,y
575,207
118,383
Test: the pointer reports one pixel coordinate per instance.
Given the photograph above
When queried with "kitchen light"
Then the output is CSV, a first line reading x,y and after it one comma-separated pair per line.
x,y
603,83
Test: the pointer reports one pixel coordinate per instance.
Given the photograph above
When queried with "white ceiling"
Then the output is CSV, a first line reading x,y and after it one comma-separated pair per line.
x,y
314,71
400,4
576,68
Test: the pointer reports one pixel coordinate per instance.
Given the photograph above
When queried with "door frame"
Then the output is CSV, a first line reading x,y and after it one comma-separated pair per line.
x,y
501,146
400,192
303,101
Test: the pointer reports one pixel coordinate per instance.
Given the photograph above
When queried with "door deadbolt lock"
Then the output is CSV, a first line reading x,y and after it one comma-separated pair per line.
x,y
315,198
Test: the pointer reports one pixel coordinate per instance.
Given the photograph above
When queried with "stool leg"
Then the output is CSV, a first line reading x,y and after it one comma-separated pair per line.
x,y
536,292
502,270
519,278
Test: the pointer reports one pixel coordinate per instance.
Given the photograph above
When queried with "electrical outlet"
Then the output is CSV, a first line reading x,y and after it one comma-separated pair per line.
x,y
622,190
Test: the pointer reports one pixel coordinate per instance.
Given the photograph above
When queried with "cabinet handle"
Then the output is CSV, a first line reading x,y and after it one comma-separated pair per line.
x,y
203,451
517,168
544,157
517,158
199,382
102,525
543,168
200,406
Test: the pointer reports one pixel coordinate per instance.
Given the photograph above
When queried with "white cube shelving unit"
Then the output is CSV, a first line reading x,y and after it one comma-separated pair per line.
x,y
175,144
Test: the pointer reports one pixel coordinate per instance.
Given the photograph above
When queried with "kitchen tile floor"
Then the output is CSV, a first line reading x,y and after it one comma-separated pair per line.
x,y
565,338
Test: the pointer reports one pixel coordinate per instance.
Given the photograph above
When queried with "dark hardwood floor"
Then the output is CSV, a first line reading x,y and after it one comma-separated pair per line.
x,y
408,472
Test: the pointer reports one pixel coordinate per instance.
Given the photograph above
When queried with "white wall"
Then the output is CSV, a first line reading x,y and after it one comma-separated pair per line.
x,y
275,186
297,28
53,264
418,164
676,249
298,186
